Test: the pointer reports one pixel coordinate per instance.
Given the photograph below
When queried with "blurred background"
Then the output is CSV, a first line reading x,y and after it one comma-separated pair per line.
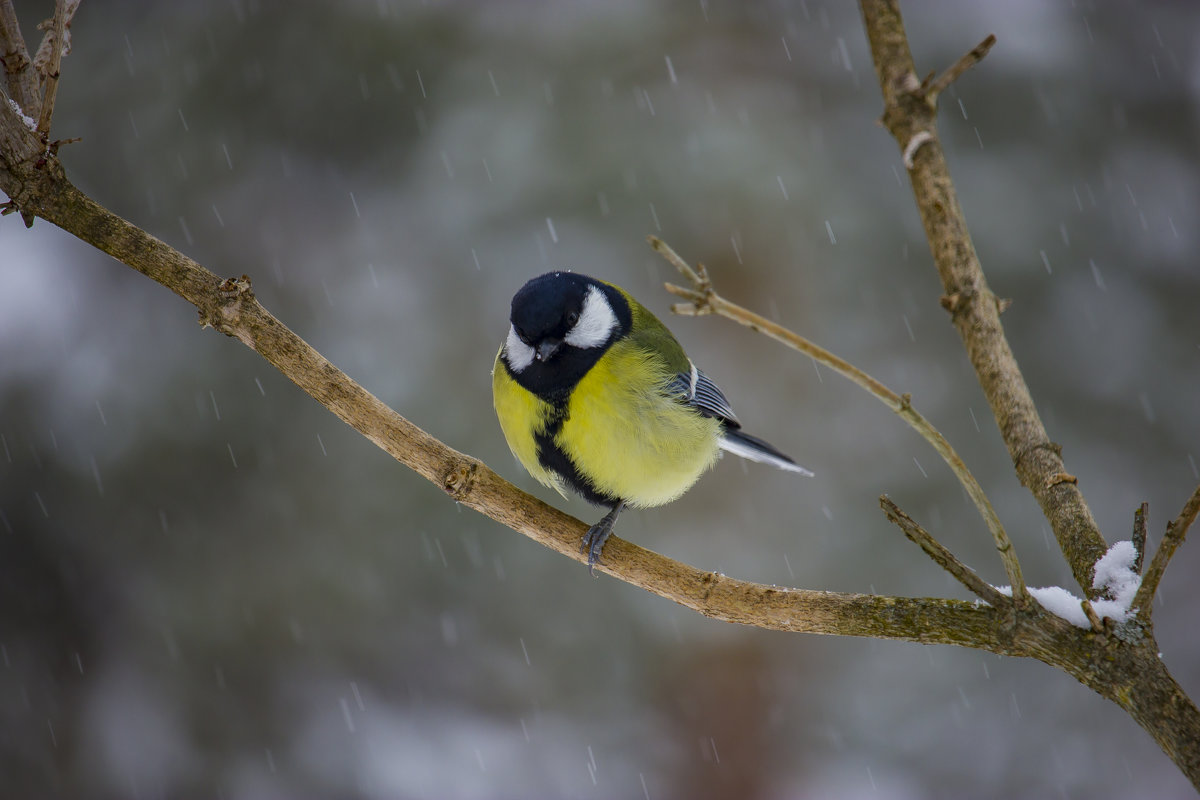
x,y
210,586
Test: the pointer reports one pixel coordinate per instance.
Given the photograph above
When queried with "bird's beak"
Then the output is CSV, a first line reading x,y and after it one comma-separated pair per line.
x,y
546,348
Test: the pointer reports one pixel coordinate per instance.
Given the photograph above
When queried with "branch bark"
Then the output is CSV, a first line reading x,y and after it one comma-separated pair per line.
x,y
910,116
20,82
942,556
1176,532
1145,689
48,60
1139,536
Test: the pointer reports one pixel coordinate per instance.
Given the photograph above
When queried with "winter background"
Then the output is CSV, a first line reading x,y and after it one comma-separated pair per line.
x,y
210,586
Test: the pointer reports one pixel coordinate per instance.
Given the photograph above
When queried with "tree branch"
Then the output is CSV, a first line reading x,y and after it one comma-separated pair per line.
x,y
943,557
935,86
1176,532
705,300
20,81
48,61
1139,536
1148,692
973,308
1089,611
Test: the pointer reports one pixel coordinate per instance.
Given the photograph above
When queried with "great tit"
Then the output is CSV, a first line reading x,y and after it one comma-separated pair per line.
x,y
594,394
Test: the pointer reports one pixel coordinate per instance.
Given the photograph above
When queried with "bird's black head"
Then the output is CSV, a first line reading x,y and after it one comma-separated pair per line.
x,y
562,322
549,306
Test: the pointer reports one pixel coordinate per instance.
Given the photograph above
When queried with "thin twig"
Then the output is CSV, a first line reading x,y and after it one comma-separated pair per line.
x,y
41,59
56,37
19,79
1139,536
675,260
942,556
932,87
1089,611
1176,532
705,300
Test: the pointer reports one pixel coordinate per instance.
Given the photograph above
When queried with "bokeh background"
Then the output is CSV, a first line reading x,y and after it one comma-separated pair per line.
x,y
209,586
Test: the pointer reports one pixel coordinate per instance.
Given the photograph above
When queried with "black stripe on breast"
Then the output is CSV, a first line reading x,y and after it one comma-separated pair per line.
x,y
553,458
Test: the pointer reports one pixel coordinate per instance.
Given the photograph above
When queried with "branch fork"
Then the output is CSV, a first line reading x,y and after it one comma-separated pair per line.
x,y
943,557
1176,532
931,87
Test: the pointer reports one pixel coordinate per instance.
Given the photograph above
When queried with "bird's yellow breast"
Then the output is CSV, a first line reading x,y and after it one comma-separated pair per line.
x,y
620,431
522,414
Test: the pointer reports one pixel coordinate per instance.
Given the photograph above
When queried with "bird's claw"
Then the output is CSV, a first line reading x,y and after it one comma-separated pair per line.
x,y
597,535
593,543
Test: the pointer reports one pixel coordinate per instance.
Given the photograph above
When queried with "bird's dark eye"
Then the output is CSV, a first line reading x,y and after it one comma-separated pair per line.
x,y
572,318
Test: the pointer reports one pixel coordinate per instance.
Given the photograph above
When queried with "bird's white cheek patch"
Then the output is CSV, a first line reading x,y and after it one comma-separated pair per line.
x,y
518,354
596,322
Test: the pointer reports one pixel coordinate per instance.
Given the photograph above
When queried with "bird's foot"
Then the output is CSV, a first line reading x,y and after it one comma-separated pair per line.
x,y
597,535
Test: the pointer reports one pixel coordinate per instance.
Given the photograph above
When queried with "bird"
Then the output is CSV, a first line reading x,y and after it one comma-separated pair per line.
x,y
595,395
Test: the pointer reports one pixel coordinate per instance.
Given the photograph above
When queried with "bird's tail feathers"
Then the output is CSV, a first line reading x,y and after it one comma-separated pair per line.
x,y
755,449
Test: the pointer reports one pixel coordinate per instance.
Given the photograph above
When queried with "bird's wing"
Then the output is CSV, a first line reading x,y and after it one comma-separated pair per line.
x,y
698,390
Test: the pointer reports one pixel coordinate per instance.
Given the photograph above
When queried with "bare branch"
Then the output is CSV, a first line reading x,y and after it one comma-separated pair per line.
x,y
57,35
1176,532
943,557
974,309
19,80
704,299
48,60
1139,536
932,87
700,284
1093,618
